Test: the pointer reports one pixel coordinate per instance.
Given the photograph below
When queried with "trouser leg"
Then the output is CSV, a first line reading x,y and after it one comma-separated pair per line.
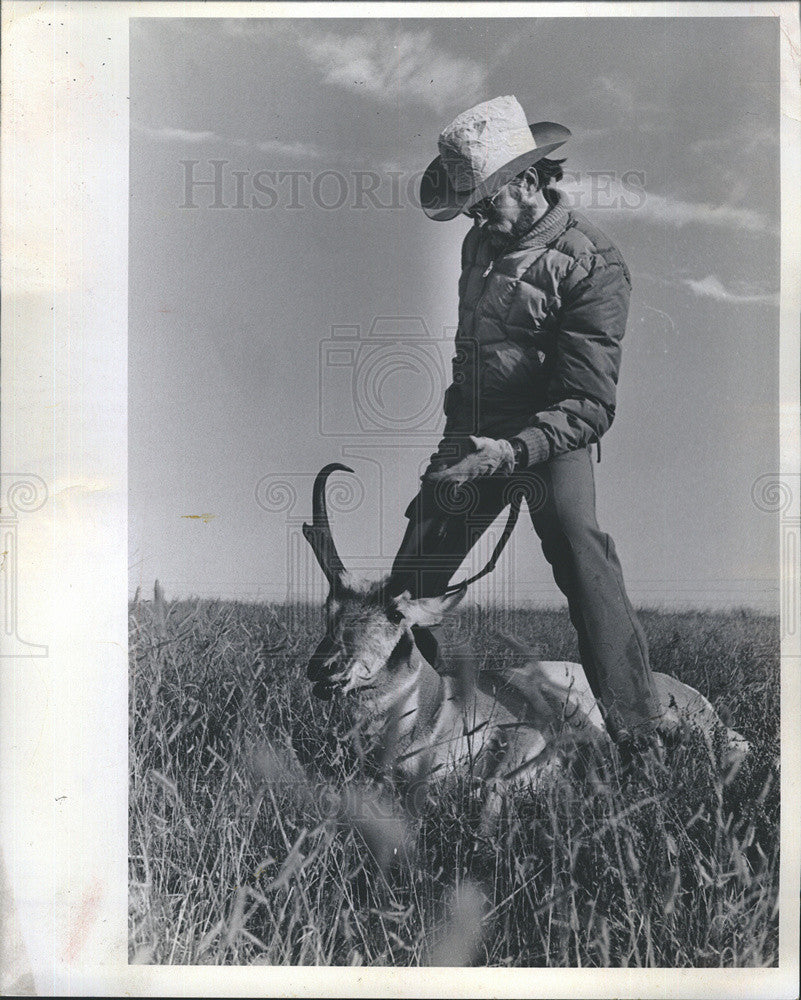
x,y
443,527
613,649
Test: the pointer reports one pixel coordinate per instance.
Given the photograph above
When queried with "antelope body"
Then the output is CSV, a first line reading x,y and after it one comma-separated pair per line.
x,y
507,725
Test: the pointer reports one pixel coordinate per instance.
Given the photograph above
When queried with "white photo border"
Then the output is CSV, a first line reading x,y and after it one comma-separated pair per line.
x,y
64,715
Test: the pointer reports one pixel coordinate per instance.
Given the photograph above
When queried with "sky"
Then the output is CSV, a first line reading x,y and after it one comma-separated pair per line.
x,y
302,311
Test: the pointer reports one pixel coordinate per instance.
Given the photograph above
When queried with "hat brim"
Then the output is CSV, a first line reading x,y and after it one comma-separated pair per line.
x,y
440,200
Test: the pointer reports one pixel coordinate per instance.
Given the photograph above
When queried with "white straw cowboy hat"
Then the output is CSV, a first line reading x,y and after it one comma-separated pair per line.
x,y
480,151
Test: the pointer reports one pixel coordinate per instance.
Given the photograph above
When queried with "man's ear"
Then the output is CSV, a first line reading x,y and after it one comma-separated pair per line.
x,y
428,610
532,178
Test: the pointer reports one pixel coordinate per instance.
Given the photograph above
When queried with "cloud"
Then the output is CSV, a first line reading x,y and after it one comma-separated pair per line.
x,y
617,95
396,66
712,288
662,209
737,143
612,104
293,150
626,197
176,134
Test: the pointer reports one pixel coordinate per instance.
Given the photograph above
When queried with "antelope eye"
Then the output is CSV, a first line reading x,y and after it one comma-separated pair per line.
x,y
395,616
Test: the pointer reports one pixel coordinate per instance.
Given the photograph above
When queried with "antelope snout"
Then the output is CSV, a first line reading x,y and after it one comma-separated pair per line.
x,y
325,661
338,678
328,678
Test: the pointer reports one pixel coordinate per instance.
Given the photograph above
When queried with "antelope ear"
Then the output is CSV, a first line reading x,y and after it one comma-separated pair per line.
x,y
428,610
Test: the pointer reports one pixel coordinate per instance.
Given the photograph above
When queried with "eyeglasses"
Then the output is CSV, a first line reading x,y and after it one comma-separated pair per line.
x,y
481,208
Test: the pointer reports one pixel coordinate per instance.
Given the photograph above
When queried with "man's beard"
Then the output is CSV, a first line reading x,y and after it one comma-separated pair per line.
x,y
529,216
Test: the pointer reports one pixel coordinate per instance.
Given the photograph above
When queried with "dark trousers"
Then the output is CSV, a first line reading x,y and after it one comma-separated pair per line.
x,y
446,522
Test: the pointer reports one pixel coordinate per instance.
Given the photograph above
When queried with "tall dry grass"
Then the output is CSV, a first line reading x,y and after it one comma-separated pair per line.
x,y
257,834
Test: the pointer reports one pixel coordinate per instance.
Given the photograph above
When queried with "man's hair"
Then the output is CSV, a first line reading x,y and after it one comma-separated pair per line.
x,y
547,172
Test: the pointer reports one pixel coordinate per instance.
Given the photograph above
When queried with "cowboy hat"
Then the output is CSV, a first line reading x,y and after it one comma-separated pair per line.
x,y
480,151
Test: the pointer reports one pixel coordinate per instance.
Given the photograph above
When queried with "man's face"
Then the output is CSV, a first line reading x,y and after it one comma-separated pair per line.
x,y
498,213
510,212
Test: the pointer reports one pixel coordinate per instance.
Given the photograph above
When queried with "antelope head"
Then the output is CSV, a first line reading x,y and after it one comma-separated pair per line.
x,y
368,643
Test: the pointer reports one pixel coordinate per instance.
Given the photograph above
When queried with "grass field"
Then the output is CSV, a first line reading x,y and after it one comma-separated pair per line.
x,y
256,835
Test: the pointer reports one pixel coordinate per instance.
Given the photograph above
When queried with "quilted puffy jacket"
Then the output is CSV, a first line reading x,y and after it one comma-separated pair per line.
x,y
539,338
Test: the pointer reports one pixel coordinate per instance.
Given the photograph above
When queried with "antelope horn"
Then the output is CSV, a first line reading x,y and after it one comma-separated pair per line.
x,y
318,533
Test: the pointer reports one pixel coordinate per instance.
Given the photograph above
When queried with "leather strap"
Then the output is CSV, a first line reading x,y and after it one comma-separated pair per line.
x,y
511,521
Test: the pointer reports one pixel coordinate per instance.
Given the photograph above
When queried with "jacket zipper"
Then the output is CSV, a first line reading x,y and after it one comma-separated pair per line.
x,y
485,275
489,269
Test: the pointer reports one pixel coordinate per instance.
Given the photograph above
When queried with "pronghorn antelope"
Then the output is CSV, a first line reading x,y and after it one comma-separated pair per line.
x,y
507,726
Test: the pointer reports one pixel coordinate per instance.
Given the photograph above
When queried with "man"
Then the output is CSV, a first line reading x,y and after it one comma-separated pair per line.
x,y
543,301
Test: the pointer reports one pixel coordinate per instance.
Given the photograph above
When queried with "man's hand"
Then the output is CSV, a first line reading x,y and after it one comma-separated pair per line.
x,y
489,456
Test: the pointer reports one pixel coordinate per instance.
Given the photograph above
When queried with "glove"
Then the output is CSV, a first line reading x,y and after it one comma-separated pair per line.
x,y
489,456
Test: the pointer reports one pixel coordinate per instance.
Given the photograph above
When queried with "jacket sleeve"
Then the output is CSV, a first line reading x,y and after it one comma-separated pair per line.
x,y
584,370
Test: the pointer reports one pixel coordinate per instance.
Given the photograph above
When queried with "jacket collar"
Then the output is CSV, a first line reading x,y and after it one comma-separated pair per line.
x,y
549,226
